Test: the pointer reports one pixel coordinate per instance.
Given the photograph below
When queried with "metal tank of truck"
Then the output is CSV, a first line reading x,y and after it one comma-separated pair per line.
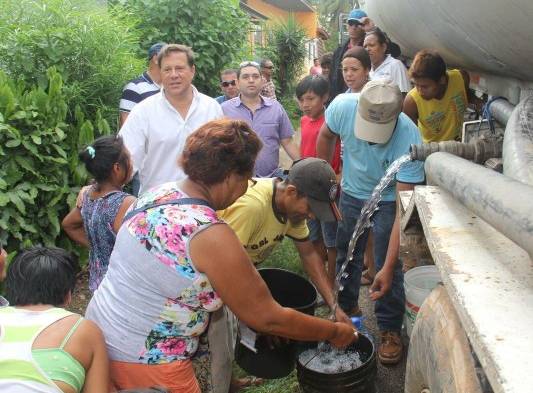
x,y
474,218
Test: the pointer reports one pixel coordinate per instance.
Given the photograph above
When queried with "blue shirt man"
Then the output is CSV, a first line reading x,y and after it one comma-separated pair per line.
x,y
374,133
228,85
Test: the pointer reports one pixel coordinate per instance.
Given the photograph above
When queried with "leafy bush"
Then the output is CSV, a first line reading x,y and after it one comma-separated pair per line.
x,y
93,49
286,48
216,30
38,161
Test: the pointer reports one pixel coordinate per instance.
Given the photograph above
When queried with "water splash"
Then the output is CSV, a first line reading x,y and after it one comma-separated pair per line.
x,y
331,360
369,208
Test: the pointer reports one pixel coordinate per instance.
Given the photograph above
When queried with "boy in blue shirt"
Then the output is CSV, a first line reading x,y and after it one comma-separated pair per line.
x,y
374,133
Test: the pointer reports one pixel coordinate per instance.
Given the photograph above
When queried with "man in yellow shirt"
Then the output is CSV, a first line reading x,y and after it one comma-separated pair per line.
x,y
438,101
274,208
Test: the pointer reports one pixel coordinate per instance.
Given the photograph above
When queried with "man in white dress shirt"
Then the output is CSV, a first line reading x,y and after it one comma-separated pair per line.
x,y
156,129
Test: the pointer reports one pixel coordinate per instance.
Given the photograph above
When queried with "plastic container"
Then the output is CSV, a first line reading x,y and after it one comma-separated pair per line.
x,y
419,282
290,290
359,324
359,380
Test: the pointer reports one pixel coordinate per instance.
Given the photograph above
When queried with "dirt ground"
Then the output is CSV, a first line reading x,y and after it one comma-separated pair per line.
x,y
81,295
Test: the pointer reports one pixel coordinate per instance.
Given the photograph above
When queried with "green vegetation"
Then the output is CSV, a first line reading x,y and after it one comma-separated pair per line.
x,y
286,48
216,30
90,46
38,170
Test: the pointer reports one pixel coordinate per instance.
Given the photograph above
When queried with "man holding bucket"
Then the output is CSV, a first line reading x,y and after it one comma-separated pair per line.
x,y
273,208
375,133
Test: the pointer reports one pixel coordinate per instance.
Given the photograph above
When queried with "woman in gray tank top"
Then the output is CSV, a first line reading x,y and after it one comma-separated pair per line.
x,y
172,252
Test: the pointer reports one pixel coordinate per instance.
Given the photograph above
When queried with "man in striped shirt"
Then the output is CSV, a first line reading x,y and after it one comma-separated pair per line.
x,y
143,87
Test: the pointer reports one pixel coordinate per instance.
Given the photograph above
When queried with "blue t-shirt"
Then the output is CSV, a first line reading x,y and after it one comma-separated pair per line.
x,y
365,164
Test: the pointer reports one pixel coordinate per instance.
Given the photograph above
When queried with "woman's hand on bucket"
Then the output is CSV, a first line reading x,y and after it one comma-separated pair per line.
x,y
345,334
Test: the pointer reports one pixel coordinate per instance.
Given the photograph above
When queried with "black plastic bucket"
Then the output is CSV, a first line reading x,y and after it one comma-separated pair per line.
x,y
359,380
290,290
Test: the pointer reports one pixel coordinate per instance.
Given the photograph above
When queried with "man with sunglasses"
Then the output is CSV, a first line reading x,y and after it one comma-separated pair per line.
x,y
269,89
356,34
228,84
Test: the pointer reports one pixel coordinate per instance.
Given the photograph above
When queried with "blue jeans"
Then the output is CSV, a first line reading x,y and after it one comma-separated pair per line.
x,y
390,308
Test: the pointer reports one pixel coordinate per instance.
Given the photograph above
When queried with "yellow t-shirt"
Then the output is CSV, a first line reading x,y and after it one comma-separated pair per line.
x,y
257,226
442,120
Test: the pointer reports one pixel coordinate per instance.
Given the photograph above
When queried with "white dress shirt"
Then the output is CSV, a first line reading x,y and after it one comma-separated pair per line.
x,y
393,70
155,134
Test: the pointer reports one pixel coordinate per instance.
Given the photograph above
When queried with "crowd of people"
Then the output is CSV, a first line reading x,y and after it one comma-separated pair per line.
x,y
173,266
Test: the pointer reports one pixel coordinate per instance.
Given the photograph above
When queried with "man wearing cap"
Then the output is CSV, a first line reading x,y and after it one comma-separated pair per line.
x,y
356,35
375,133
273,208
143,87
156,129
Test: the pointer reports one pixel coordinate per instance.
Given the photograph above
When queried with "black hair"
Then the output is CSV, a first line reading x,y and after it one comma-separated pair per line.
x,y
100,157
41,275
381,36
326,59
314,83
228,71
359,53
264,62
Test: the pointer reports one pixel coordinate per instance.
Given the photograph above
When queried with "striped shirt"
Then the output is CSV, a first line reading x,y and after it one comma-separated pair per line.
x,y
136,91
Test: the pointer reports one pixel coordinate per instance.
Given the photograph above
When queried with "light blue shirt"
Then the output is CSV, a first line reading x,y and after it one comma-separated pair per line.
x,y
365,164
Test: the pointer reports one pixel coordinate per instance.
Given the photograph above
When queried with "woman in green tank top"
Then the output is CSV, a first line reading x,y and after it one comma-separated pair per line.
x,y
43,347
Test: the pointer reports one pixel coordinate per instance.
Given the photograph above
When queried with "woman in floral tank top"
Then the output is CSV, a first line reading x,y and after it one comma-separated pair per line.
x,y
171,254
95,222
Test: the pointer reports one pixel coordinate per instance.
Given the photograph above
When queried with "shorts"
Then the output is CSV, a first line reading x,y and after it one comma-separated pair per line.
x,y
177,376
325,230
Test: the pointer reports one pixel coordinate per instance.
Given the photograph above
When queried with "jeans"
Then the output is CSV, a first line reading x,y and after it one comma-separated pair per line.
x,y
390,308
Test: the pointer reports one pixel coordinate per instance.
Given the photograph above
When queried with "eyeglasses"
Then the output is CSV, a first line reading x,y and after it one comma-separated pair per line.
x,y
269,67
353,22
248,63
228,83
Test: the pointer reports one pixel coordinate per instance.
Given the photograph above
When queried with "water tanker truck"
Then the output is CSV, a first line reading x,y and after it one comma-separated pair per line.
x,y
474,217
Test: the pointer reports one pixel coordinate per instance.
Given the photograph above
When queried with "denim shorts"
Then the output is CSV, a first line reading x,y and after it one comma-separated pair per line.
x,y
325,230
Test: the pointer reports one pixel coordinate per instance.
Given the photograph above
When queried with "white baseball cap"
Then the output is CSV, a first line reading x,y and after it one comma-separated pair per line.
x,y
380,104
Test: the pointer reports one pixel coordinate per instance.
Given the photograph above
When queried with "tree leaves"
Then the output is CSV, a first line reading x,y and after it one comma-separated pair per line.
x,y
36,146
216,30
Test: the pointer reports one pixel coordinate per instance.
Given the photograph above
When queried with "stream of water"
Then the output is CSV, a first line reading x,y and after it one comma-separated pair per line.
x,y
320,358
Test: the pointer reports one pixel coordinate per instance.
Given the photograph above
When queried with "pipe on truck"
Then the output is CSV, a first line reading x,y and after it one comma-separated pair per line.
x,y
518,143
503,202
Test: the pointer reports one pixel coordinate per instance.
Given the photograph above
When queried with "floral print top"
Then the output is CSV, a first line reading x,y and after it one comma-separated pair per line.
x,y
98,219
165,231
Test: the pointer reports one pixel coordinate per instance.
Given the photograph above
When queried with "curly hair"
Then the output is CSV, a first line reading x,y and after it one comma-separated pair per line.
x,y
219,148
429,64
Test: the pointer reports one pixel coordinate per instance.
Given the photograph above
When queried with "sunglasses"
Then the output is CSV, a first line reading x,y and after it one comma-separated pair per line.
x,y
228,83
354,23
248,63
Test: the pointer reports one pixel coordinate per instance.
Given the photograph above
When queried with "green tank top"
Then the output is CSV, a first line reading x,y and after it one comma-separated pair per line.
x,y
55,363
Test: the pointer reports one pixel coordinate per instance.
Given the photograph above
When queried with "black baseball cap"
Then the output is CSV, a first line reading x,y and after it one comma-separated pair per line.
x,y
154,49
315,179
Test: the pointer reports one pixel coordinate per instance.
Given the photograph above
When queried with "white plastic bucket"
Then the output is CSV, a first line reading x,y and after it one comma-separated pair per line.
x,y
418,282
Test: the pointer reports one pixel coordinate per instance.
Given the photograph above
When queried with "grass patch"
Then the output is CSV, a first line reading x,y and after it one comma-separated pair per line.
x,y
285,256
